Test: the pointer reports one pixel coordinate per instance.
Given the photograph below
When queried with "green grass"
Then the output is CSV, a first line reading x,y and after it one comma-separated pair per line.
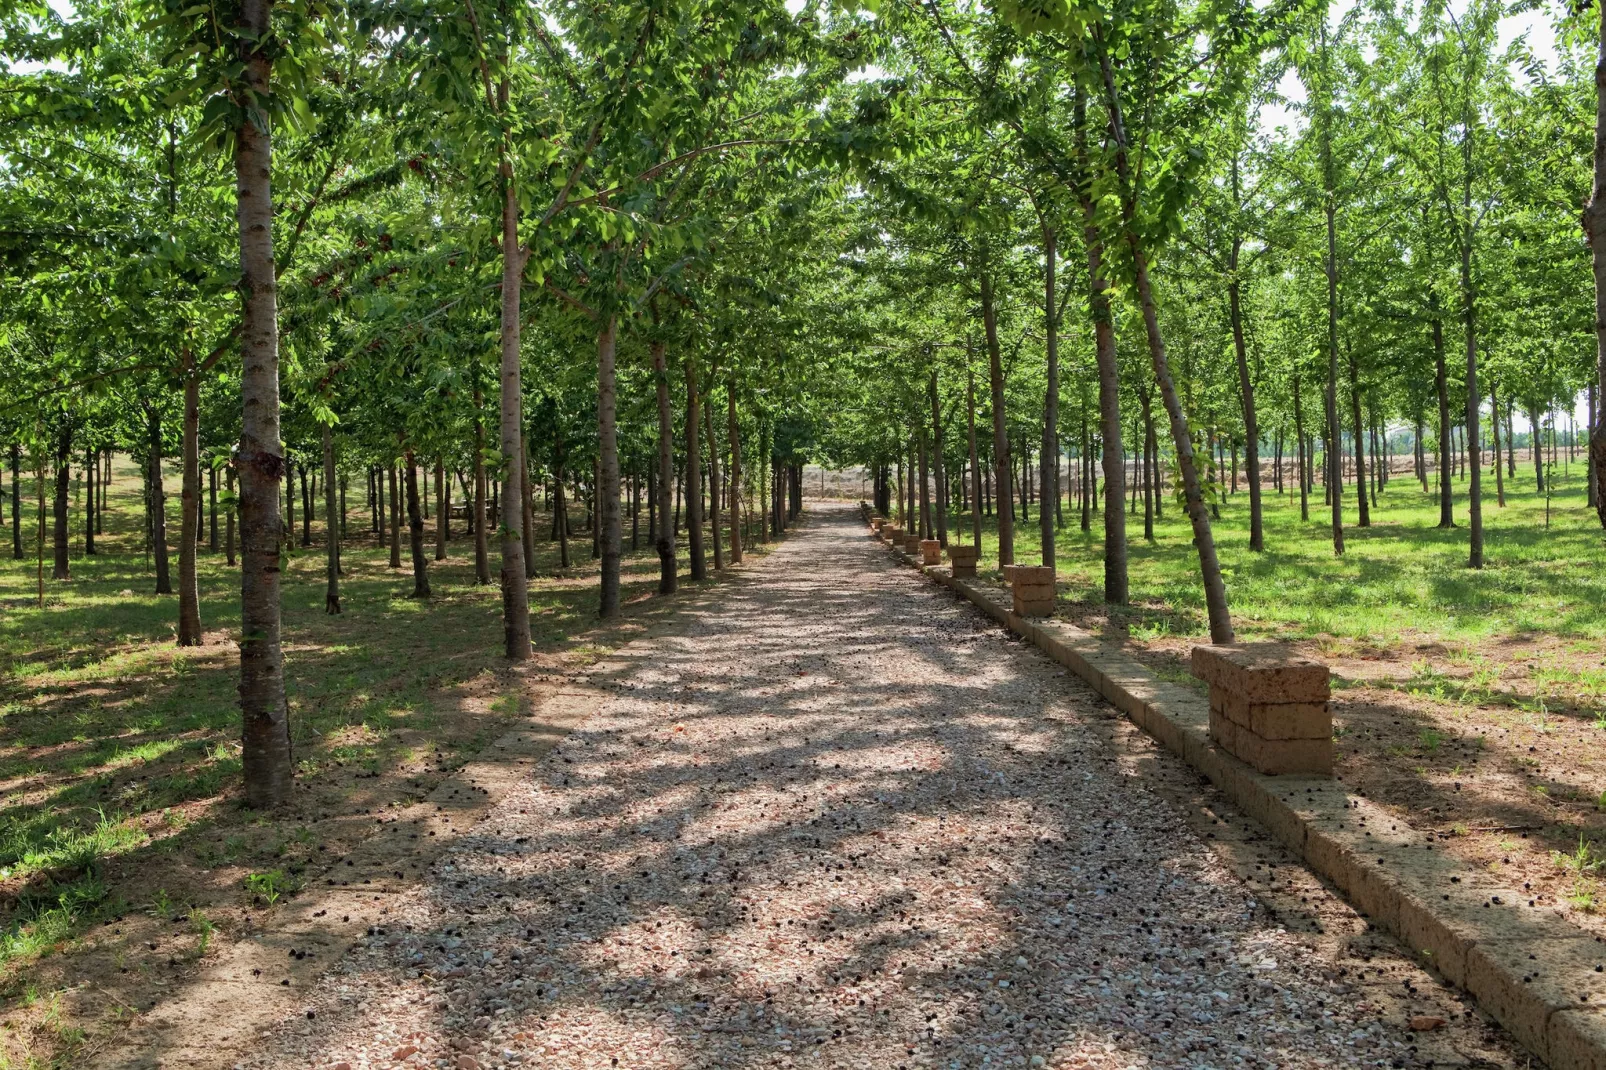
x,y
1402,576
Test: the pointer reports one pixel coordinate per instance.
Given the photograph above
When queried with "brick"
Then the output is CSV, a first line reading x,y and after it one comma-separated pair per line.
x,y
911,544
1031,576
958,553
1223,731
1275,756
1274,720
965,571
1034,608
1262,672
1009,572
930,552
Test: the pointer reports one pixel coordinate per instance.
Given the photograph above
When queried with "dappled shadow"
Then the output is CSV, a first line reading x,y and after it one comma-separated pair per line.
x,y
119,752
830,819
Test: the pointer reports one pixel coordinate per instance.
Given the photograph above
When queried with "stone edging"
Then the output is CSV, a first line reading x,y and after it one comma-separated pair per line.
x,y
1541,977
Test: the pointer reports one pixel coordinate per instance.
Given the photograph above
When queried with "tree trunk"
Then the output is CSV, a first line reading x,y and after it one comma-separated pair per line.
x,y
975,464
735,477
1086,459
1150,450
1204,541
1494,422
1104,352
91,470
60,569
925,483
331,538
1333,478
233,511
1246,391
668,568
287,530
714,488
766,469
1364,516
561,504
592,524
211,510
306,506
694,475
158,507
1419,456
189,593
527,511
415,529
1469,314
1051,399
395,515
1595,228
635,511
1001,464
1441,383
1589,457
608,476
515,587
1511,450
482,555
443,509
16,502
939,465
266,755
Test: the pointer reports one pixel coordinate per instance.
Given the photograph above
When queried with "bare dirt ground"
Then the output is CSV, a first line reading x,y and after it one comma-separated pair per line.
x,y
834,818
1492,744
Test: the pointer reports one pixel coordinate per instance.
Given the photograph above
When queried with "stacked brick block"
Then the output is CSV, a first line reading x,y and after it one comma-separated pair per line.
x,y
930,552
964,559
1268,706
1033,590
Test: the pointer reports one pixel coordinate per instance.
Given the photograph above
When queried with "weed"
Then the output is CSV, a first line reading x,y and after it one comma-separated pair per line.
x,y
269,886
1583,861
203,928
1430,740
162,906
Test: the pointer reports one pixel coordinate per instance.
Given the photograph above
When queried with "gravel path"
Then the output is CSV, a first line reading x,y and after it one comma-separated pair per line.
x,y
834,820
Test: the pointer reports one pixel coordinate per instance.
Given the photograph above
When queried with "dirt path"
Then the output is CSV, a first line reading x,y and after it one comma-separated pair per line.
x,y
836,819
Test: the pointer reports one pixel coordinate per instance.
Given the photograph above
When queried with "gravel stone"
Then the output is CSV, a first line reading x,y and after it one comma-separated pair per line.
x,y
833,818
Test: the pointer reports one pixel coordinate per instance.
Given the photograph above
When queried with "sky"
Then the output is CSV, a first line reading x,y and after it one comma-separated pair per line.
x,y
1536,23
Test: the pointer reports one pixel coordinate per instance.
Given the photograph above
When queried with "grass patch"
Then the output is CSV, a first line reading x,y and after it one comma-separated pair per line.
x,y
1401,576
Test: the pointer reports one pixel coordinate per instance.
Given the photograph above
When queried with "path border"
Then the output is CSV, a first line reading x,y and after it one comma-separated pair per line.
x,y
1534,972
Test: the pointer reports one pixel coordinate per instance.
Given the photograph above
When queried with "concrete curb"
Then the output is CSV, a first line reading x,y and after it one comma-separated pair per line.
x,y
1541,977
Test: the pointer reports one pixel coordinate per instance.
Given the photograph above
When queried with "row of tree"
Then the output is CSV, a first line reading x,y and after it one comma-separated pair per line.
x,y
609,249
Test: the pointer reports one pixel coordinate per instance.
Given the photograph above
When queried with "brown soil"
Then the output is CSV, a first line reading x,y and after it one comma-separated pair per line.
x,y
1496,743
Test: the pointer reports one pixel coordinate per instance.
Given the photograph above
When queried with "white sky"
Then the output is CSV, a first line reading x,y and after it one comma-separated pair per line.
x,y
1535,23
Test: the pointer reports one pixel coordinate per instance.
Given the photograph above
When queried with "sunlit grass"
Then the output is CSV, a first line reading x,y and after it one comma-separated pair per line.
x,y
1401,577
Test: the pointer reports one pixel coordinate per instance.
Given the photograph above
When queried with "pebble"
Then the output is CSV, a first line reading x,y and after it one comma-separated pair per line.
x,y
832,818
